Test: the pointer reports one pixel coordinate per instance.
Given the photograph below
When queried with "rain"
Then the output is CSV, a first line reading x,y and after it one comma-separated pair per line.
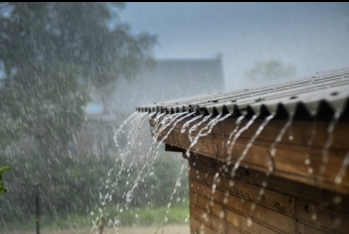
x,y
174,117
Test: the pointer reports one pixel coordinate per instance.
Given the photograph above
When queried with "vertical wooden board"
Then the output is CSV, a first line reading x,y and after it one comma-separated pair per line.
x,y
321,217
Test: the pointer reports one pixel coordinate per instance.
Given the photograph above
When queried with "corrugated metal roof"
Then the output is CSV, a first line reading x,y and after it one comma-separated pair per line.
x,y
307,98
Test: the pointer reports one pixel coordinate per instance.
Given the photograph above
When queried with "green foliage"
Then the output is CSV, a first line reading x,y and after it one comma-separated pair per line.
x,y
52,54
271,70
145,216
77,185
3,168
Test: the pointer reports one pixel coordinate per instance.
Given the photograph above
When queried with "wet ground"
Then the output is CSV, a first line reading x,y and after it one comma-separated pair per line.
x,y
172,229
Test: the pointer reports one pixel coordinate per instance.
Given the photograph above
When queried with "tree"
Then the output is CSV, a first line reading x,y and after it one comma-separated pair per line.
x,y
271,70
51,54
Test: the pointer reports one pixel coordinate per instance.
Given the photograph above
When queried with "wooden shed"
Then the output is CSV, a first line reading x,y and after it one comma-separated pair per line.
x,y
266,160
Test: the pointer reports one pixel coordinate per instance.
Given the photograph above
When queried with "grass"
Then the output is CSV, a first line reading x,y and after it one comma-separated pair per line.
x,y
145,216
152,215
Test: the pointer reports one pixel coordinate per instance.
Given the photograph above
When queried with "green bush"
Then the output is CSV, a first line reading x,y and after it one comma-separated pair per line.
x,y
78,185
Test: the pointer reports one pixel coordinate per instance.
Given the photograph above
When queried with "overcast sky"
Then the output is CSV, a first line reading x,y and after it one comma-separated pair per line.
x,y
311,36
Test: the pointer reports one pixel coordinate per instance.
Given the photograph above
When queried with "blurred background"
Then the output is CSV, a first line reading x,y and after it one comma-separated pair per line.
x,y
72,73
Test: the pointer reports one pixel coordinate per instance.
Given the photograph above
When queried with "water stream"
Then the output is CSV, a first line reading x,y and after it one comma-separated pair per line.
x,y
329,141
279,137
162,126
342,170
201,133
236,136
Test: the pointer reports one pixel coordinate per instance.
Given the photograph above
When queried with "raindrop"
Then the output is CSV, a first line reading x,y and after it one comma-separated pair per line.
x,y
249,222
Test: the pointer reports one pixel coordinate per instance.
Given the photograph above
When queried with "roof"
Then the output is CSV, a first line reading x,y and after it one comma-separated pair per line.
x,y
306,98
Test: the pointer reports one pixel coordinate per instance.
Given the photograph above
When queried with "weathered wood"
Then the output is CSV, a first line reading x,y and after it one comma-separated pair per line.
x,y
290,160
202,168
297,197
277,212
322,218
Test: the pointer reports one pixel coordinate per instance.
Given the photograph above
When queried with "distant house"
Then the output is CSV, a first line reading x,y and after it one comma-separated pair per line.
x,y
167,79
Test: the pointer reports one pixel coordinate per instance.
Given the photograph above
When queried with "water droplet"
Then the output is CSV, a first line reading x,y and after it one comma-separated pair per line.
x,y
307,161
249,222
253,207
337,199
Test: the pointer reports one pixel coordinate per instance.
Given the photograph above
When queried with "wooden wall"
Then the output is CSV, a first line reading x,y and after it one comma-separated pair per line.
x,y
252,202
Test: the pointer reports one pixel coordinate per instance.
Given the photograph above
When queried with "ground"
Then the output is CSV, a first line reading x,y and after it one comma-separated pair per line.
x,y
172,229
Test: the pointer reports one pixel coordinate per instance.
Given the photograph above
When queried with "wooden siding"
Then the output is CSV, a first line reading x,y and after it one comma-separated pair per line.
x,y
290,156
284,206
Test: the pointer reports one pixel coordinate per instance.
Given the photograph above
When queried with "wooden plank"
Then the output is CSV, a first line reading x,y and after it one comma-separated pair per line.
x,y
233,229
289,162
279,202
301,131
246,224
205,223
305,229
200,168
257,213
322,218
217,224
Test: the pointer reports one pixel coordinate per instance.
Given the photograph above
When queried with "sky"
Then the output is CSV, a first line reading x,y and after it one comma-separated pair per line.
x,y
313,37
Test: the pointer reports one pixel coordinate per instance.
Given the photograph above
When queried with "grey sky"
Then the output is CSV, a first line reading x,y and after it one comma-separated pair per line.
x,y
312,36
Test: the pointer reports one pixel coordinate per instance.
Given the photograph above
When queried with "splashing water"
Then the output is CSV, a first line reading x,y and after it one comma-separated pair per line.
x,y
244,153
272,150
176,186
152,156
131,136
209,126
185,125
231,145
250,143
119,130
195,126
310,144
